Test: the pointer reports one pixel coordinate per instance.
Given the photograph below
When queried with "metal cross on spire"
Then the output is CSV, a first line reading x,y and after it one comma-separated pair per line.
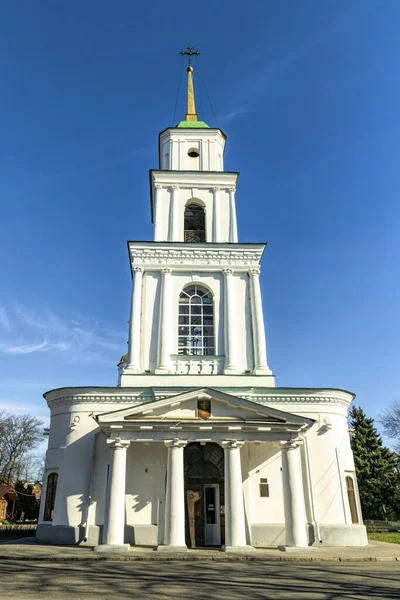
x,y
189,52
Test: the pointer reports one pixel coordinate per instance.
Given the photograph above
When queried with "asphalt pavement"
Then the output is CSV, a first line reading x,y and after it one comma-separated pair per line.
x,y
199,580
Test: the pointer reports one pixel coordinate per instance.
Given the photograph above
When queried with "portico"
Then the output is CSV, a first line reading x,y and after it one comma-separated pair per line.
x,y
177,422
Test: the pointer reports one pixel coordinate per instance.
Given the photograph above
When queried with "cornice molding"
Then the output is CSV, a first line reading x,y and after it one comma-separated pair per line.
x,y
59,397
298,399
198,179
153,257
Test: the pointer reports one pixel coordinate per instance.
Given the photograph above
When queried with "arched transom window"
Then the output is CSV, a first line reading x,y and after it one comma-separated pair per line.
x,y
196,322
194,223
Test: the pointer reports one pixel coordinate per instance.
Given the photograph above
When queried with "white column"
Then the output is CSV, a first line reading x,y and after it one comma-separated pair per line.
x,y
114,521
174,215
216,216
164,326
231,343
293,497
174,524
134,321
235,528
158,220
233,234
257,321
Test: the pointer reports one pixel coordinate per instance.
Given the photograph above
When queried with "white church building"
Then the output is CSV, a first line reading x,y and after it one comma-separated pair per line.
x,y
196,446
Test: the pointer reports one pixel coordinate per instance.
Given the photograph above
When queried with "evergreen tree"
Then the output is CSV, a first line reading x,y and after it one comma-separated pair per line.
x,y
377,469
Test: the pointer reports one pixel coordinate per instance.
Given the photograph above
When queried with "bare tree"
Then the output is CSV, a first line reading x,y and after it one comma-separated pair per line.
x,y
19,435
390,420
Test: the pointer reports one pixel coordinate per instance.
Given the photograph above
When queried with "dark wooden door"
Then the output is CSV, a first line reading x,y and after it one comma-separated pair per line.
x,y
352,500
195,516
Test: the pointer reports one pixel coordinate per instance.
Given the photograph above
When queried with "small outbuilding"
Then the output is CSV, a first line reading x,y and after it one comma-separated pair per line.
x,y
8,497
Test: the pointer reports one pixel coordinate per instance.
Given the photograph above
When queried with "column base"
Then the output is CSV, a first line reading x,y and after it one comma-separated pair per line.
x,y
296,548
262,371
162,371
163,548
238,549
112,548
131,369
232,371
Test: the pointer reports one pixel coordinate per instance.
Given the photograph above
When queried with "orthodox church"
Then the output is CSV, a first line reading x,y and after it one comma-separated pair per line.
x,y
196,446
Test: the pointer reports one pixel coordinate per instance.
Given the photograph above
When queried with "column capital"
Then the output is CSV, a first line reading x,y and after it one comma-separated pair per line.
x,y
291,444
173,188
137,269
118,443
255,272
175,443
216,188
232,189
230,444
227,271
158,186
167,271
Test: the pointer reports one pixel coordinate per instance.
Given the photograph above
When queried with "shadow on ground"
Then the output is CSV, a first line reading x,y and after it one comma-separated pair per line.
x,y
199,581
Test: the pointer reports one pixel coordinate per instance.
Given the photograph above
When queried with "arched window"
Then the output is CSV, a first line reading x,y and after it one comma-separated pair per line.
x,y
352,499
194,223
50,496
196,322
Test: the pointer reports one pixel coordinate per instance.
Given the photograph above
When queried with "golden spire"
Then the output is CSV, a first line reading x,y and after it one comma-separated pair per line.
x,y
191,111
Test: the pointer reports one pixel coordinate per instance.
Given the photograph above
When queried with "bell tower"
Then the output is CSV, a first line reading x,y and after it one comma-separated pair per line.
x,y
196,306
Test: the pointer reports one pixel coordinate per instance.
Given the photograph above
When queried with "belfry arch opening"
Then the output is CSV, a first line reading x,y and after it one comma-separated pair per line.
x,y
204,494
194,223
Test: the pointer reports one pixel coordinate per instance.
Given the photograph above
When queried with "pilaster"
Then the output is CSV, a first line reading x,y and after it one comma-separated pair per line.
x,y
216,215
257,319
134,322
164,329
158,214
233,233
174,215
231,364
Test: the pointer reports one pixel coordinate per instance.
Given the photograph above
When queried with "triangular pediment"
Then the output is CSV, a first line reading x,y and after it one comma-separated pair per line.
x,y
224,407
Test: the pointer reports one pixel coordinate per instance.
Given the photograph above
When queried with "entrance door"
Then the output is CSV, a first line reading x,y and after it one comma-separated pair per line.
x,y
212,526
204,487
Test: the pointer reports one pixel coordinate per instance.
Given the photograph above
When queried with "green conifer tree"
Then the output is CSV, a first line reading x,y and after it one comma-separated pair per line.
x,y
377,469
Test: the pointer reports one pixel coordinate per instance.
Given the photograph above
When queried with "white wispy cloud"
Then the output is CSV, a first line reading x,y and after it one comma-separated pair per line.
x,y
256,83
77,337
4,320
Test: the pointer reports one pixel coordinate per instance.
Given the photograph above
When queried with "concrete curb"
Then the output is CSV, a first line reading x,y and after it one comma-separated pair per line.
x,y
188,558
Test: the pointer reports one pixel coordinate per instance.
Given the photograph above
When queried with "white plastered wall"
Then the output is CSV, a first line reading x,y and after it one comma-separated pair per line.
x,y
145,483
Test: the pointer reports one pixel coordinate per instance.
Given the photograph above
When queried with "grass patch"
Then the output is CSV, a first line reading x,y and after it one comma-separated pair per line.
x,y
385,536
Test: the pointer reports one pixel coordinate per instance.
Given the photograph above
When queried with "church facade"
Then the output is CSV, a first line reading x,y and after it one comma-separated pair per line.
x,y
196,446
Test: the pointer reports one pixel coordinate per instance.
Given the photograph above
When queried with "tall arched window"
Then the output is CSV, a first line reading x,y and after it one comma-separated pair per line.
x,y
194,223
352,499
196,322
50,496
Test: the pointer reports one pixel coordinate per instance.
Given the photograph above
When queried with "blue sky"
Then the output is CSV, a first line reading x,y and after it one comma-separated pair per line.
x,y
308,95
